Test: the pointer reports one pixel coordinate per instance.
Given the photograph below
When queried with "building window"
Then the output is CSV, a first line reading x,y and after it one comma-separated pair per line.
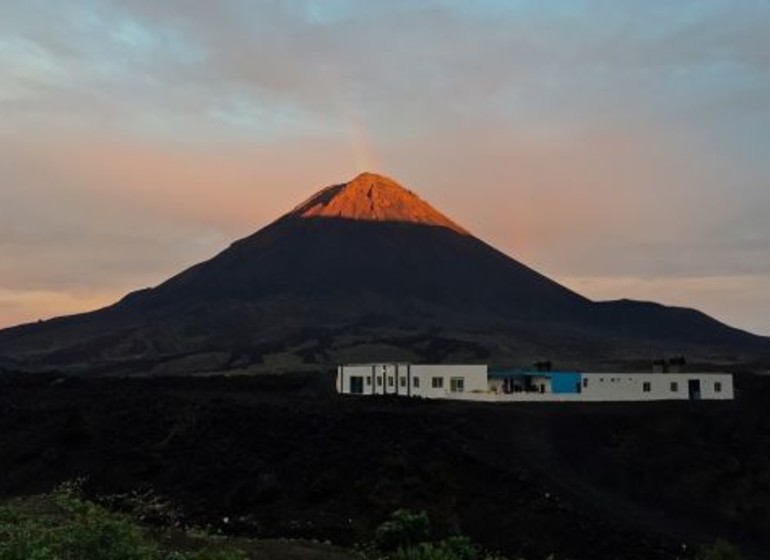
x,y
416,382
646,387
585,382
379,381
391,381
457,384
717,386
674,387
437,382
368,381
402,381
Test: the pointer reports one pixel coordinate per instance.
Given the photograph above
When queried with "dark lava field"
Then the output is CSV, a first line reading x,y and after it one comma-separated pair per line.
x,y
282,456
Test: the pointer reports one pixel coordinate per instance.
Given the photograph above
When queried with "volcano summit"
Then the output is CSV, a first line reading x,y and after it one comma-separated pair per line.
x,y
368,271
372,197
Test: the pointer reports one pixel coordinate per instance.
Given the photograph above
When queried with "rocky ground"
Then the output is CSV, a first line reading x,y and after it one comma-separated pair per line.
x,y
281,456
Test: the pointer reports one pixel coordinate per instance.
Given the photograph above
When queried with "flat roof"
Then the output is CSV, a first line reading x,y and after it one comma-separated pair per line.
x,y
503,373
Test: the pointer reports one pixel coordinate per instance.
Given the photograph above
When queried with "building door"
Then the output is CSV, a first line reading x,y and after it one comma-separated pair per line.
x,y
693,389
356,385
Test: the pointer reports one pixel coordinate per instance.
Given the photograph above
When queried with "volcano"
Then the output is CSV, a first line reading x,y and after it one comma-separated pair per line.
x,y
365,270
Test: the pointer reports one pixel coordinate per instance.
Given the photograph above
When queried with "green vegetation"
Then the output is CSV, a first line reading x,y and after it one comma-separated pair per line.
x,y
64,526
72,528
453,548
720,550
404,529
406,536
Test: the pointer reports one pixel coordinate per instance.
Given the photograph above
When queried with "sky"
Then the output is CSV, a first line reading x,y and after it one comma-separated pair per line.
x,y
620,147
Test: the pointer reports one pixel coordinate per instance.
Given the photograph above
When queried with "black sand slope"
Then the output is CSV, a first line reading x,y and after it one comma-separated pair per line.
x,y
280,456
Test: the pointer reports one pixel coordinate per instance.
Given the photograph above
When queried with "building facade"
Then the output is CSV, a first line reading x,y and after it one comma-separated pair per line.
x,y
479,383
657,386
411,380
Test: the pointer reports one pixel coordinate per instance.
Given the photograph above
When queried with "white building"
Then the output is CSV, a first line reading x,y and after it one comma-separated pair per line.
x,y
657,386
478,383
412,380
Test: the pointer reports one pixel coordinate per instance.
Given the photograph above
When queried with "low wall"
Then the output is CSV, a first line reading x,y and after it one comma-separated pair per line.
x,y
557,397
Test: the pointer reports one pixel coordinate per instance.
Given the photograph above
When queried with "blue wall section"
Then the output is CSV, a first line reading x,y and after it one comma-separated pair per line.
x,y
565,382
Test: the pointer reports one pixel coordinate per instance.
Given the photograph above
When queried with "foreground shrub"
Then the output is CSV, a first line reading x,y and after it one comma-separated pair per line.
x,y
404,529
453,548
82,530
720,550
406,536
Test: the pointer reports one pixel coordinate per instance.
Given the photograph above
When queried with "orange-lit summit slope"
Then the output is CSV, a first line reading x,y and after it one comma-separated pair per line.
x,y
366,264
375,198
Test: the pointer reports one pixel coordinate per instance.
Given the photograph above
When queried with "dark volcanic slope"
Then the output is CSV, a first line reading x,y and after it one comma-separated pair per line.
x,y
371,239
367,258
